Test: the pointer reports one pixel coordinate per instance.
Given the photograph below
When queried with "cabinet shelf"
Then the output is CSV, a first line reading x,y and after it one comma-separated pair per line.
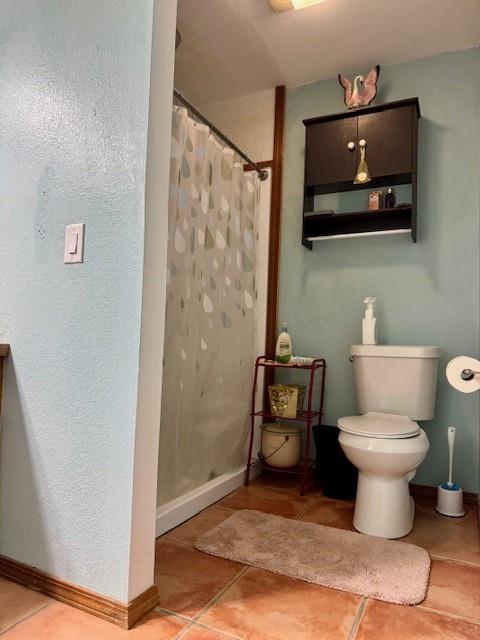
x,y
376,182
396,220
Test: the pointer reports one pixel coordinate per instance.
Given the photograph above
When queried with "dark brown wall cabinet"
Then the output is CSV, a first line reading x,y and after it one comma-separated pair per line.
x,y
332,155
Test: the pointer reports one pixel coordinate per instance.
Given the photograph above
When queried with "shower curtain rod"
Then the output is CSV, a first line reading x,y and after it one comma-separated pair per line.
x,y
262,173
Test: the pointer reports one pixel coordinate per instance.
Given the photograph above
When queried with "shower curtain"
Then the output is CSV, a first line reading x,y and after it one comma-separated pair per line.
x,y
210,316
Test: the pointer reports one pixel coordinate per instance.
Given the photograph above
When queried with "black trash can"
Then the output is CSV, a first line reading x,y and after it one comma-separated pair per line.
x,y
336,476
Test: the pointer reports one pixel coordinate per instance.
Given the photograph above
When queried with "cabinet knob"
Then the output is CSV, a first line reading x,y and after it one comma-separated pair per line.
x,y
362,143
351,145
351,358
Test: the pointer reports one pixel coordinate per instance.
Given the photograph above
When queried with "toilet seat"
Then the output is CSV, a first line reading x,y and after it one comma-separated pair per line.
x,y
379,425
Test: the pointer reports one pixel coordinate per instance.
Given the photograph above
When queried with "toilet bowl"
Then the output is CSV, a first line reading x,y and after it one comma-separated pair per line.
x,y
395,386
386,463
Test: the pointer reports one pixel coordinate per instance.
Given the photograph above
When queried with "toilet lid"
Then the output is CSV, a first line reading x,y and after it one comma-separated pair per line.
x,y
379,425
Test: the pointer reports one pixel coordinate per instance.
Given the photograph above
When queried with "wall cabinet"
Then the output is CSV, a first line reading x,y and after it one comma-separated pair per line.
x,y
332,155
330,162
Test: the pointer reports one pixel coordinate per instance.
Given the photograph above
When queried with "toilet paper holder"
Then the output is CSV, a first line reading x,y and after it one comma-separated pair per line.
x,y
468,374
463,373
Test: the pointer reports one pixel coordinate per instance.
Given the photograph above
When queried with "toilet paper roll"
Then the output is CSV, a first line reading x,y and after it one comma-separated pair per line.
x,y
454,374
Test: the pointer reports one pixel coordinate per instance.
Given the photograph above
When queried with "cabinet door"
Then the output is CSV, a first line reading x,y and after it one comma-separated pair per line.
x,y
328,159
389,136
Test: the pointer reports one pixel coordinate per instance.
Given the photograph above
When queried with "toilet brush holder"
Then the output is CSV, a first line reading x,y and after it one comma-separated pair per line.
x,y
450,500
450,496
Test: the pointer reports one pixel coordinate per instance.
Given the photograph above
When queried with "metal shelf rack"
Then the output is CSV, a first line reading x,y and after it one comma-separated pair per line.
x,y
309,416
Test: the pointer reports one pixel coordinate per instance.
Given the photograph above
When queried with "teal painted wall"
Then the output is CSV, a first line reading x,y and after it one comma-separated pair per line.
x,y
74,93
428,293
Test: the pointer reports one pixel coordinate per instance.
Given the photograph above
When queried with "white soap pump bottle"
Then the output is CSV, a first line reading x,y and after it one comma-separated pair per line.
x,y
283,350
369,322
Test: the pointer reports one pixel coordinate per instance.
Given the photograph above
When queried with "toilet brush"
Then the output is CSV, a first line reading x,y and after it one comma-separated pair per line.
x,y
450,496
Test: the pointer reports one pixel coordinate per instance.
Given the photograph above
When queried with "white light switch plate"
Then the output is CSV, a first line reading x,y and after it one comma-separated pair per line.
x,y
74,235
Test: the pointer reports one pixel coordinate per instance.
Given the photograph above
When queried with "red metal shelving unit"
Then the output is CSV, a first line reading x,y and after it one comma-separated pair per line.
x,y
308,416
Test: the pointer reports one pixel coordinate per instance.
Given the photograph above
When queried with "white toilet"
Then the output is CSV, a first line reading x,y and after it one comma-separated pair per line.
x,y
395,385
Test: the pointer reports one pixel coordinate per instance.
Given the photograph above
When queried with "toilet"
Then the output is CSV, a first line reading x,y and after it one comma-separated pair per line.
x,y
395,386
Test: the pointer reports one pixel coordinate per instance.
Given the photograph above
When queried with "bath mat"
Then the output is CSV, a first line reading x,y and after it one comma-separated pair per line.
x,y
368,566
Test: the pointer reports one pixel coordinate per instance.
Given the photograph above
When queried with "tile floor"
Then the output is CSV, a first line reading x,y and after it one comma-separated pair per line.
x,y
207,598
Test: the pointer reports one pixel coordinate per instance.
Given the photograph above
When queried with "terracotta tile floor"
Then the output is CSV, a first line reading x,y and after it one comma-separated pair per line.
x,y
207,598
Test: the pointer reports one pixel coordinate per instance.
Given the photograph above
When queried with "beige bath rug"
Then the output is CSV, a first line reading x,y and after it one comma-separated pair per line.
x,y
372,567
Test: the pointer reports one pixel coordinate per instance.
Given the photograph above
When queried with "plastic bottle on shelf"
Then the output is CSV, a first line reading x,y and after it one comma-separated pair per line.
x,y
369,322
283,350
389,202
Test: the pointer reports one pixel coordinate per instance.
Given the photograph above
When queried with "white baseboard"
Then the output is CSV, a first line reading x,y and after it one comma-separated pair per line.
x,y
173,513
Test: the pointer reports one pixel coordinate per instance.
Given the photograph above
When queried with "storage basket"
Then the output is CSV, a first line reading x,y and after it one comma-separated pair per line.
x,y
286,400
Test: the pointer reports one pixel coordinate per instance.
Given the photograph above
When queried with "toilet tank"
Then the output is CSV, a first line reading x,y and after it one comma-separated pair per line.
x,y
396,379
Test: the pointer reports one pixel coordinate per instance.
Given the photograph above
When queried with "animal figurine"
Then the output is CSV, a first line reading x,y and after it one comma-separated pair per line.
x,y
354,99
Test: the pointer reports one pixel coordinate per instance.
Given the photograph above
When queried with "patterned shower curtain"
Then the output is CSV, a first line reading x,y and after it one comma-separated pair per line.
x,y
210,317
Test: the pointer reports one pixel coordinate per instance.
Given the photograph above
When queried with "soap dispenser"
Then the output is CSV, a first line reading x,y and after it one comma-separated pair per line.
x,y
369,322
283,350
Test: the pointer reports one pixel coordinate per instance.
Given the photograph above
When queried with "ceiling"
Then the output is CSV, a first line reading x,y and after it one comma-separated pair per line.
x,y
235,47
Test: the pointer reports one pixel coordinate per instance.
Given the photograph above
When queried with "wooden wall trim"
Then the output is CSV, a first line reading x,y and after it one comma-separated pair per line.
x,y
142,604
275,220
275,228
123,615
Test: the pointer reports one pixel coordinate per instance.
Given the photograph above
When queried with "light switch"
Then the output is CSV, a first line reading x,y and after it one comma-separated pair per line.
x,y
74,234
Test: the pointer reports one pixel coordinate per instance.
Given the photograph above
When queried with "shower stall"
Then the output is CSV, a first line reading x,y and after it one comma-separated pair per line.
x,y
215,315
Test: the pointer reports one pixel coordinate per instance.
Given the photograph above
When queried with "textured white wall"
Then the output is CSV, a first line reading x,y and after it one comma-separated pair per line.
x,y
74,94
247,120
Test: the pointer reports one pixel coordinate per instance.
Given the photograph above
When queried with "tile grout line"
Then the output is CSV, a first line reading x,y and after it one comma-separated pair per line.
x,y
27,617
454,616
184,631
173,614
358,618
221,632
188,628
216,630
191,622
435,556
216,598
303,510
195,619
